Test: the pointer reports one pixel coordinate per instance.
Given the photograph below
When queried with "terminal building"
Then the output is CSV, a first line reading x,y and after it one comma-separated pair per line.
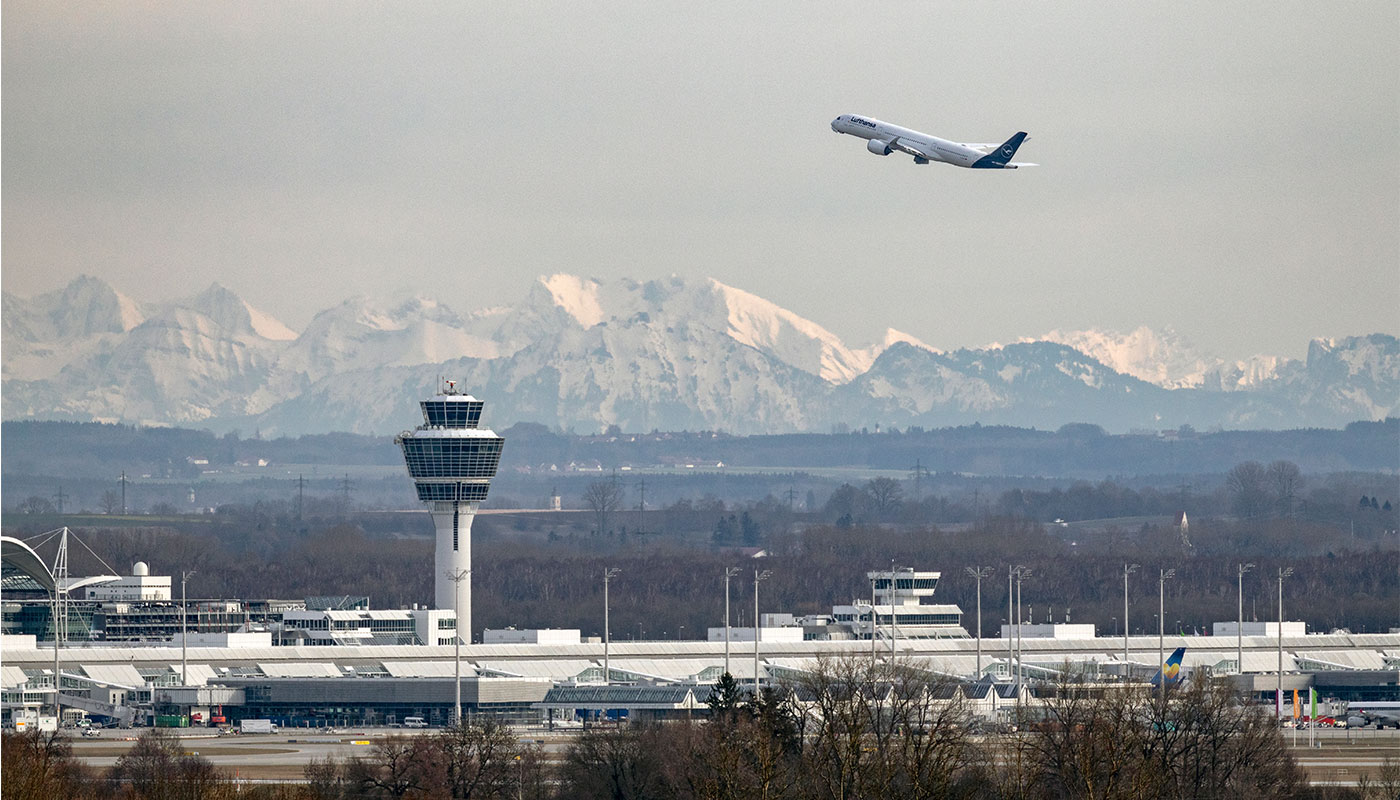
x,y
312,685
334,661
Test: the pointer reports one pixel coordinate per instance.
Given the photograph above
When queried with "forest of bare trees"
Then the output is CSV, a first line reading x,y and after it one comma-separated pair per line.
x,y
671,587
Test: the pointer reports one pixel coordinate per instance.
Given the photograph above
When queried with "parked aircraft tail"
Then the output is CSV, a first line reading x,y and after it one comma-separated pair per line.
x,y
1170,672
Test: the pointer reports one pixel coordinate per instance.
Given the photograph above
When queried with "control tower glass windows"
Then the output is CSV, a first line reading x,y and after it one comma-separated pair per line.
x,y
449,491
452,458
452,414
883,584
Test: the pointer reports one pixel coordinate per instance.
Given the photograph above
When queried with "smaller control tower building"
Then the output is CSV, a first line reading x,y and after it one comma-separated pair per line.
x,y
452,462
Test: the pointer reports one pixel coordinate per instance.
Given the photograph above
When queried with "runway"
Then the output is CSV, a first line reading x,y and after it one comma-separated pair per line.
x,y
272,756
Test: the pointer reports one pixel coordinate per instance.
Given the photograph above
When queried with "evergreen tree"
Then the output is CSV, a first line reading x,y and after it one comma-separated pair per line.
x,y
725,698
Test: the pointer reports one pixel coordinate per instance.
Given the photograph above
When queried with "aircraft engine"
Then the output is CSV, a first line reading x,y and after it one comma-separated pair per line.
x,y
878,147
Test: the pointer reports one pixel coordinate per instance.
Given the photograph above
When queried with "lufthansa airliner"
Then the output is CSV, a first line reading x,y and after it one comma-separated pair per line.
x,y
884,138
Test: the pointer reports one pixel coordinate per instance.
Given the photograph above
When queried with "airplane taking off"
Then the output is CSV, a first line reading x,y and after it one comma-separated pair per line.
x,y
885,138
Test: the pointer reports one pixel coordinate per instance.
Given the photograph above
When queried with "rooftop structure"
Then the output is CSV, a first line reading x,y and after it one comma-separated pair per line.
x,y
139,585
903,608
452,462
363,626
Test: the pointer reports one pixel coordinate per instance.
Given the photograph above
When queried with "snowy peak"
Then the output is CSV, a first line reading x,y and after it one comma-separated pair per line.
x,y
766,326
232,315
891,338
683,305
268,326
1166,358
87,306
577,296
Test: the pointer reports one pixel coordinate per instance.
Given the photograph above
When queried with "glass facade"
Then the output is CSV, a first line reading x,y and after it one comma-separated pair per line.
x,y
452,414
907,583
447,492
477,457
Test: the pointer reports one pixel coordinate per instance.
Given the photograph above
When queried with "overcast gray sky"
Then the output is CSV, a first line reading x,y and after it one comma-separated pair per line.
x,y
1228,169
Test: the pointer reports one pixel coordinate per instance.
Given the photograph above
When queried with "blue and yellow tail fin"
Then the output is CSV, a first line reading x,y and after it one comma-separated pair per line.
x,y
1170,672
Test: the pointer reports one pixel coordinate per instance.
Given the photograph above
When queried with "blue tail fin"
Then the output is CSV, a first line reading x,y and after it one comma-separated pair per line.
x,y
1002,155
1171,669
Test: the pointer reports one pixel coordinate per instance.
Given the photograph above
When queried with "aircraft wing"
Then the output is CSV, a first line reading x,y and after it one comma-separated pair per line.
x,y
904,146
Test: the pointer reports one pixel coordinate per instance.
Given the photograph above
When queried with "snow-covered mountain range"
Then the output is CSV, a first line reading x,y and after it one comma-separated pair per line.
x,y
669,354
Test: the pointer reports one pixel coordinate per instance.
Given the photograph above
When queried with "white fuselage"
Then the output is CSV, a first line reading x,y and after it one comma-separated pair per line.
x,y
932,147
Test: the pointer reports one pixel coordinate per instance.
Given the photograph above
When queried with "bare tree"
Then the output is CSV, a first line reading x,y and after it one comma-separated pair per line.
x,y
1248,487
884,731
602,498
1198,740
397,767
40,766
885,495
620,763
481,759
34,504
158,767
1286,481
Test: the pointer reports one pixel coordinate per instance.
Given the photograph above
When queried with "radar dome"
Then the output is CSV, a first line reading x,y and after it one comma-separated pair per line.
x,y
140,569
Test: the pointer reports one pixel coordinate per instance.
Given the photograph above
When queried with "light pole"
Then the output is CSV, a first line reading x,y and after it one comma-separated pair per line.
x,y
1239,632
894,621
757,626
729,572
184,630
1128,569
978,573
1163,575
1022,572
608,574
1283,572
872,623
457,578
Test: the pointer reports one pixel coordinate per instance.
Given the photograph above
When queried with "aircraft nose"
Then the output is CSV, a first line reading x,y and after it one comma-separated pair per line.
x,y
833,125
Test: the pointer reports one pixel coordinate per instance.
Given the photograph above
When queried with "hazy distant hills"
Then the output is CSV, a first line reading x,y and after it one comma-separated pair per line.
x,y
669,354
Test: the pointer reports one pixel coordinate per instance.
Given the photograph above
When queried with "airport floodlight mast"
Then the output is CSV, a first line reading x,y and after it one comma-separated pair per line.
x,y
894,606
1128,569
1283,572
729,572
757,625
452,462
608,574
1021,572
872,622
184,630
1239,632
1163,575
977,574
457,578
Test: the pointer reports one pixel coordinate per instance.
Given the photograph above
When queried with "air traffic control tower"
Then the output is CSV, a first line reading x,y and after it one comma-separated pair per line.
x,y
452,462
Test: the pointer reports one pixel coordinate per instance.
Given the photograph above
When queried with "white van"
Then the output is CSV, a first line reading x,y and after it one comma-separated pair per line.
x,y
414,722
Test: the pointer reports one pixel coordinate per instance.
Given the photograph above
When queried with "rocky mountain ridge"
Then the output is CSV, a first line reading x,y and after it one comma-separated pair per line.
x,y
665,354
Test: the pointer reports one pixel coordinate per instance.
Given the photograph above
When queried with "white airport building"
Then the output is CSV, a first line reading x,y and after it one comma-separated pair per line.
x,y
901,606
